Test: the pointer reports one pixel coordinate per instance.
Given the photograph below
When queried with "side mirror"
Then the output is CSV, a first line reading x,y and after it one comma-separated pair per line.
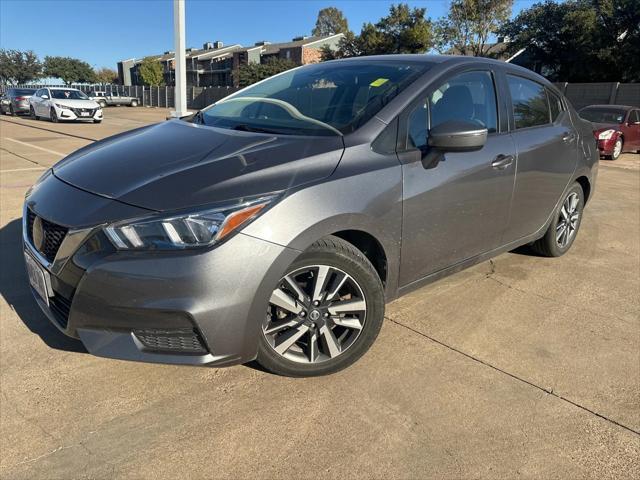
x,y
44,97
457,136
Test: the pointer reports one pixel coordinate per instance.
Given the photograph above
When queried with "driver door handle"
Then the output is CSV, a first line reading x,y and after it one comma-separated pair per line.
x,y
502,161
568,137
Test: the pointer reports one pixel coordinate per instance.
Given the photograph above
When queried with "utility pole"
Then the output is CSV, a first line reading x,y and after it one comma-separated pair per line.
x,y
180,59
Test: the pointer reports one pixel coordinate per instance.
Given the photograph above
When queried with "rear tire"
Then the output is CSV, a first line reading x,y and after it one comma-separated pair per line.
x,y
565,225
332,335
11,112
134,103
102,104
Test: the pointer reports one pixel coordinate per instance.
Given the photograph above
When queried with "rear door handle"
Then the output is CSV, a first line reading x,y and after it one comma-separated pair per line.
x,y
502,161
568,137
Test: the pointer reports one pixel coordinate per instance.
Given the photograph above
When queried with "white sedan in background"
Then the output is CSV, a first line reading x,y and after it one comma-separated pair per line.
x,y
58,104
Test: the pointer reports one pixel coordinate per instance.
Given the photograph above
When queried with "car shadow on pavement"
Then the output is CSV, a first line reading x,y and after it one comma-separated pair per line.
x,y
14,288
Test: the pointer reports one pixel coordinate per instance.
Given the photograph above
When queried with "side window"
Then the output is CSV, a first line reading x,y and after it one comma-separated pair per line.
x,y
555,104
530,107
634,118
38,93
417,127
469,96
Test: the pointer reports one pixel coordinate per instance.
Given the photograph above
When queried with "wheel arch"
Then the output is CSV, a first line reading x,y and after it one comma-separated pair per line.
x,y
585,184
371,248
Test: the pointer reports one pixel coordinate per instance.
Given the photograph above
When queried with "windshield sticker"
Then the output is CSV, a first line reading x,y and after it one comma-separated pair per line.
x,y
379,82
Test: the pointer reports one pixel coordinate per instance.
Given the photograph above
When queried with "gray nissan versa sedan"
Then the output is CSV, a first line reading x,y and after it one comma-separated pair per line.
x,y
276,223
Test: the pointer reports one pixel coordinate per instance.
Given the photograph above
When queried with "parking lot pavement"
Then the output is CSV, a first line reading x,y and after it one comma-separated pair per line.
x,y
519,367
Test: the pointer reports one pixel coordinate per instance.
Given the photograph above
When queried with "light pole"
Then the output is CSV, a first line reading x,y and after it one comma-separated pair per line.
x,y
180,59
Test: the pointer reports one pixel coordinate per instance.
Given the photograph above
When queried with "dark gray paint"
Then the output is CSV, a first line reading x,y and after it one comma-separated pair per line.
x,y
429,222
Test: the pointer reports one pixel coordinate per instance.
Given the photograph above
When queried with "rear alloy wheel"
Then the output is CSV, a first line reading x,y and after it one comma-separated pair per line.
x,y
53,116
325,312
564,227
102,104
617,149
134,103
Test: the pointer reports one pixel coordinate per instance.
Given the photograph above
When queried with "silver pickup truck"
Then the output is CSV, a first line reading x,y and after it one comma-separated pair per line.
x,y
113,99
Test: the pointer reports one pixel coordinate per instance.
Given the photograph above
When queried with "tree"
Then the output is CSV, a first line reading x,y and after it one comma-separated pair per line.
x,y
330,21
19,67
469,24
580,40
404,30
151,71
70,70
254,72
106,75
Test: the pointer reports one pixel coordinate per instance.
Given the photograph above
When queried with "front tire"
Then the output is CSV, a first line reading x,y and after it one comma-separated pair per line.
x,y
32,114
564,228
11,112
53,116
617,149
324,314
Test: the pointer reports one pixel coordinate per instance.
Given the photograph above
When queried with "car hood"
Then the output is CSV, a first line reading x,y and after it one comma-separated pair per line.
x,y
599,127
175,164
76,103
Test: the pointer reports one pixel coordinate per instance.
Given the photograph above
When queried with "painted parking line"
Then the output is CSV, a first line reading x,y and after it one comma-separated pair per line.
x,y
36,147
22,169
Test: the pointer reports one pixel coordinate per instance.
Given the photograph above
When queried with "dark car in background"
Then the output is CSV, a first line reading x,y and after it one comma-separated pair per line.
x,y
616,128
275,224
16,100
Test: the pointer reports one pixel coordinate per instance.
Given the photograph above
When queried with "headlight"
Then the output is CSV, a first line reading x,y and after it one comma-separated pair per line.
x,y
198,229
63,106
606,135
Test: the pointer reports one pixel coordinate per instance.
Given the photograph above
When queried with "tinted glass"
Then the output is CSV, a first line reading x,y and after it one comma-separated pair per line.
x,y
17,92
530,107
635,116
603,115
321,99
417,127
68,95
555,104
469,96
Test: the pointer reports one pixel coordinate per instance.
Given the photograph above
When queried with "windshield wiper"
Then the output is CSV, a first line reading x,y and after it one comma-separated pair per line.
x,y
243,127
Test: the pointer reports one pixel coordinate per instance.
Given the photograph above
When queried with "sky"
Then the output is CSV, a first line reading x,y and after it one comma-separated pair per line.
x,y
102,32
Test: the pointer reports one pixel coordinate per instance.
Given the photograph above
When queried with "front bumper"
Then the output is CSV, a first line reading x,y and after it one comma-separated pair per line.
x,y
605,147
78,113
219,295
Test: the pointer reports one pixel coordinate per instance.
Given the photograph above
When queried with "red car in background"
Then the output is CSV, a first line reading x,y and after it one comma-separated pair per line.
x,y
616,128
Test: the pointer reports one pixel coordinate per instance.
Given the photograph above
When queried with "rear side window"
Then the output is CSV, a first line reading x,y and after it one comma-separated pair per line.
x,y
530,106
555,104
469,96
635,116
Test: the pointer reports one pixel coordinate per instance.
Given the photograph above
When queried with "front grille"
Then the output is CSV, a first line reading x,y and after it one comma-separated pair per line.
x,y
183,340
52,236
60,307
78,111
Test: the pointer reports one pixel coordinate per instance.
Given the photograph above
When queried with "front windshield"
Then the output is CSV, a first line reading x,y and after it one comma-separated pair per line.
x,y
68,95
321,99
603,115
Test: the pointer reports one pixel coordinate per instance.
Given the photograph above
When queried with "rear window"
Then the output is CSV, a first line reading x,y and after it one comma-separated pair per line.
x,y
17,92
530,106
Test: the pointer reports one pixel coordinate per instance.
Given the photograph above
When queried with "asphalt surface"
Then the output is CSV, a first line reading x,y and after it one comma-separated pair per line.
x,y
521,367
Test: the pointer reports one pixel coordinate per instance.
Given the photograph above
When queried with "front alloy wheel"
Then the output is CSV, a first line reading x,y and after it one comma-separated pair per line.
x,y
324,313
617,149
316,313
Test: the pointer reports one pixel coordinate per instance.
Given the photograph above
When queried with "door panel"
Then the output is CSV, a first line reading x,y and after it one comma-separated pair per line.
x,y
456,210
459,208
547,155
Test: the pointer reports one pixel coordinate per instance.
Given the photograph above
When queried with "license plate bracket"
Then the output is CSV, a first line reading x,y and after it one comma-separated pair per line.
x,y
39,278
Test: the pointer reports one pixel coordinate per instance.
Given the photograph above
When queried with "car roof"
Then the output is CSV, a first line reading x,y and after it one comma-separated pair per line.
x,y
62,88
